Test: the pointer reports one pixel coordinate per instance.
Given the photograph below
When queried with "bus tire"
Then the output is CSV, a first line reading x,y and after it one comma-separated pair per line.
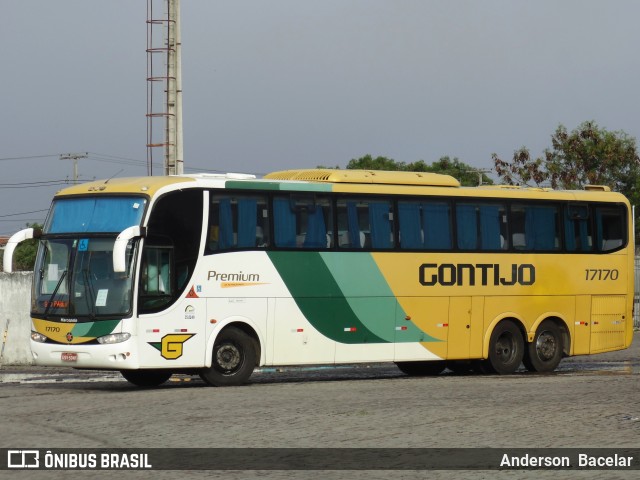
x,y
234,357
544,353
422,369
506,348
146,378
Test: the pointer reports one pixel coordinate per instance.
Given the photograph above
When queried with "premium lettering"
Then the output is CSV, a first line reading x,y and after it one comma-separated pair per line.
x,y
450,274
233,277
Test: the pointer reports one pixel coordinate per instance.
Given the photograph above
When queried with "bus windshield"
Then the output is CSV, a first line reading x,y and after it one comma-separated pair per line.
x,y
75,277
94,214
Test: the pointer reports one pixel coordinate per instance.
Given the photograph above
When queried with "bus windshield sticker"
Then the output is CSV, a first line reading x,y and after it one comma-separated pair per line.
x,y
52,273
83,246
101,298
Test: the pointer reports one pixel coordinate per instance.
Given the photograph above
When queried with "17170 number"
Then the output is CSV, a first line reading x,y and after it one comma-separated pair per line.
x,y
601,274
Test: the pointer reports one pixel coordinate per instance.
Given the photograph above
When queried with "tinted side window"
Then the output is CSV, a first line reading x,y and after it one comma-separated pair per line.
x,y
535,227
578,235
481,226
302,221
237,221
364,223
424,225
611,230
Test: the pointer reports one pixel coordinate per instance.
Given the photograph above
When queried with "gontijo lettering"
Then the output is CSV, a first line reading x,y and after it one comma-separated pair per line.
x,y
448,274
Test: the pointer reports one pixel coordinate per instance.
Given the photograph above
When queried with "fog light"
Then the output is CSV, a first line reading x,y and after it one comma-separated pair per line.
x,y
38,337
114,338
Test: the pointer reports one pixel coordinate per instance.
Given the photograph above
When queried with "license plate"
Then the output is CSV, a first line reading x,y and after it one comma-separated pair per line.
x,y
69,357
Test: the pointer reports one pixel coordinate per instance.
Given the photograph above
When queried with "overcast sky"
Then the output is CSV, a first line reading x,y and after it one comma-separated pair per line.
x,y
277,84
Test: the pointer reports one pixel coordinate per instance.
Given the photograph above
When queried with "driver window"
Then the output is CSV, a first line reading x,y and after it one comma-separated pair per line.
x,y
155,287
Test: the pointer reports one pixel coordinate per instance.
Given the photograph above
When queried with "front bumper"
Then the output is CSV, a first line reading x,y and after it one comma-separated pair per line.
x,y
117,356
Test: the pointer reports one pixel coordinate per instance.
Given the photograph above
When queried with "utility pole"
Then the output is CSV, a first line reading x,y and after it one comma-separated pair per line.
x,y
170,79
174,158
480,171
74,157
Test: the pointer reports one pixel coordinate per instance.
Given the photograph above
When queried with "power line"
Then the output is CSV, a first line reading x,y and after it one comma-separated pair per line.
x,y
43,183
28,157
23,220
98,157
24,213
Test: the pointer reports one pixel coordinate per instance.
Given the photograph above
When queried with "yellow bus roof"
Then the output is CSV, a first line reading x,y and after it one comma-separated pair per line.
x,y
145,185
345,181
379,177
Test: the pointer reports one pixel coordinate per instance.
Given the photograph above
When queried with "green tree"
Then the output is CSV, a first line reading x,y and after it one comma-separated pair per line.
x,y
588,155
24,256
379,163
466,174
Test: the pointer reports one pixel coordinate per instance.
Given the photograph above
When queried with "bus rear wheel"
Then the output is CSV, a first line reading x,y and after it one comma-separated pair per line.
x,y
422,369
506,349
234,357
545,352
146,378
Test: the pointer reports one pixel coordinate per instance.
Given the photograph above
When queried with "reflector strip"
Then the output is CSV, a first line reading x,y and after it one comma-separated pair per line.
x,y
350,329
401,328
442,325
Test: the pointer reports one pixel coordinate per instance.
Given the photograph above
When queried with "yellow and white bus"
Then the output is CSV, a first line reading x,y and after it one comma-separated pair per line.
x,y
217,274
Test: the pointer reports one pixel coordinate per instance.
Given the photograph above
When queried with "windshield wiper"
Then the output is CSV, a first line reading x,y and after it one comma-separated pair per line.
x,y
89,293
53,295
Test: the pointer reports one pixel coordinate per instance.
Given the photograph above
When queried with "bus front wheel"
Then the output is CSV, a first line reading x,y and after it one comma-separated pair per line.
x,y
506,349
234,357
146,378
545,352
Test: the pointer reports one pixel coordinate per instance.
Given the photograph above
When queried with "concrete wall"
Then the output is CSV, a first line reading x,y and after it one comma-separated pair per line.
x,y
15,322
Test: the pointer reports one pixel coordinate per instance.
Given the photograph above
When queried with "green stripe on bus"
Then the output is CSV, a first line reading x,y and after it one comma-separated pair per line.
x,y
370,297
319,297
94,329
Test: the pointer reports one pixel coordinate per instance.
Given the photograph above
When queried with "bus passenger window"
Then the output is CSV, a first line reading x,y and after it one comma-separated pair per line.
x,y
535,227
365,224
237,221
481,226
577,228
610,228
303,221
424,225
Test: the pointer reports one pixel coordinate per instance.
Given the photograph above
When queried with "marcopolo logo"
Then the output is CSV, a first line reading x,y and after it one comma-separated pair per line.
x,y
449,274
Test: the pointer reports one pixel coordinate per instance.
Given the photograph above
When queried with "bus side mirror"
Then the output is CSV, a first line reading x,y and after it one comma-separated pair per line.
x,y
17,238
120,247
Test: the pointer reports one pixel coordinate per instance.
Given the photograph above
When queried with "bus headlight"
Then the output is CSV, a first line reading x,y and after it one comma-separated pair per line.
x,y
38,337
114,338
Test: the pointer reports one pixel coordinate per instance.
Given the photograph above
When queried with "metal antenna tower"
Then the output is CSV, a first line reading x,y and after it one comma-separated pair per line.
x,y
164,85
